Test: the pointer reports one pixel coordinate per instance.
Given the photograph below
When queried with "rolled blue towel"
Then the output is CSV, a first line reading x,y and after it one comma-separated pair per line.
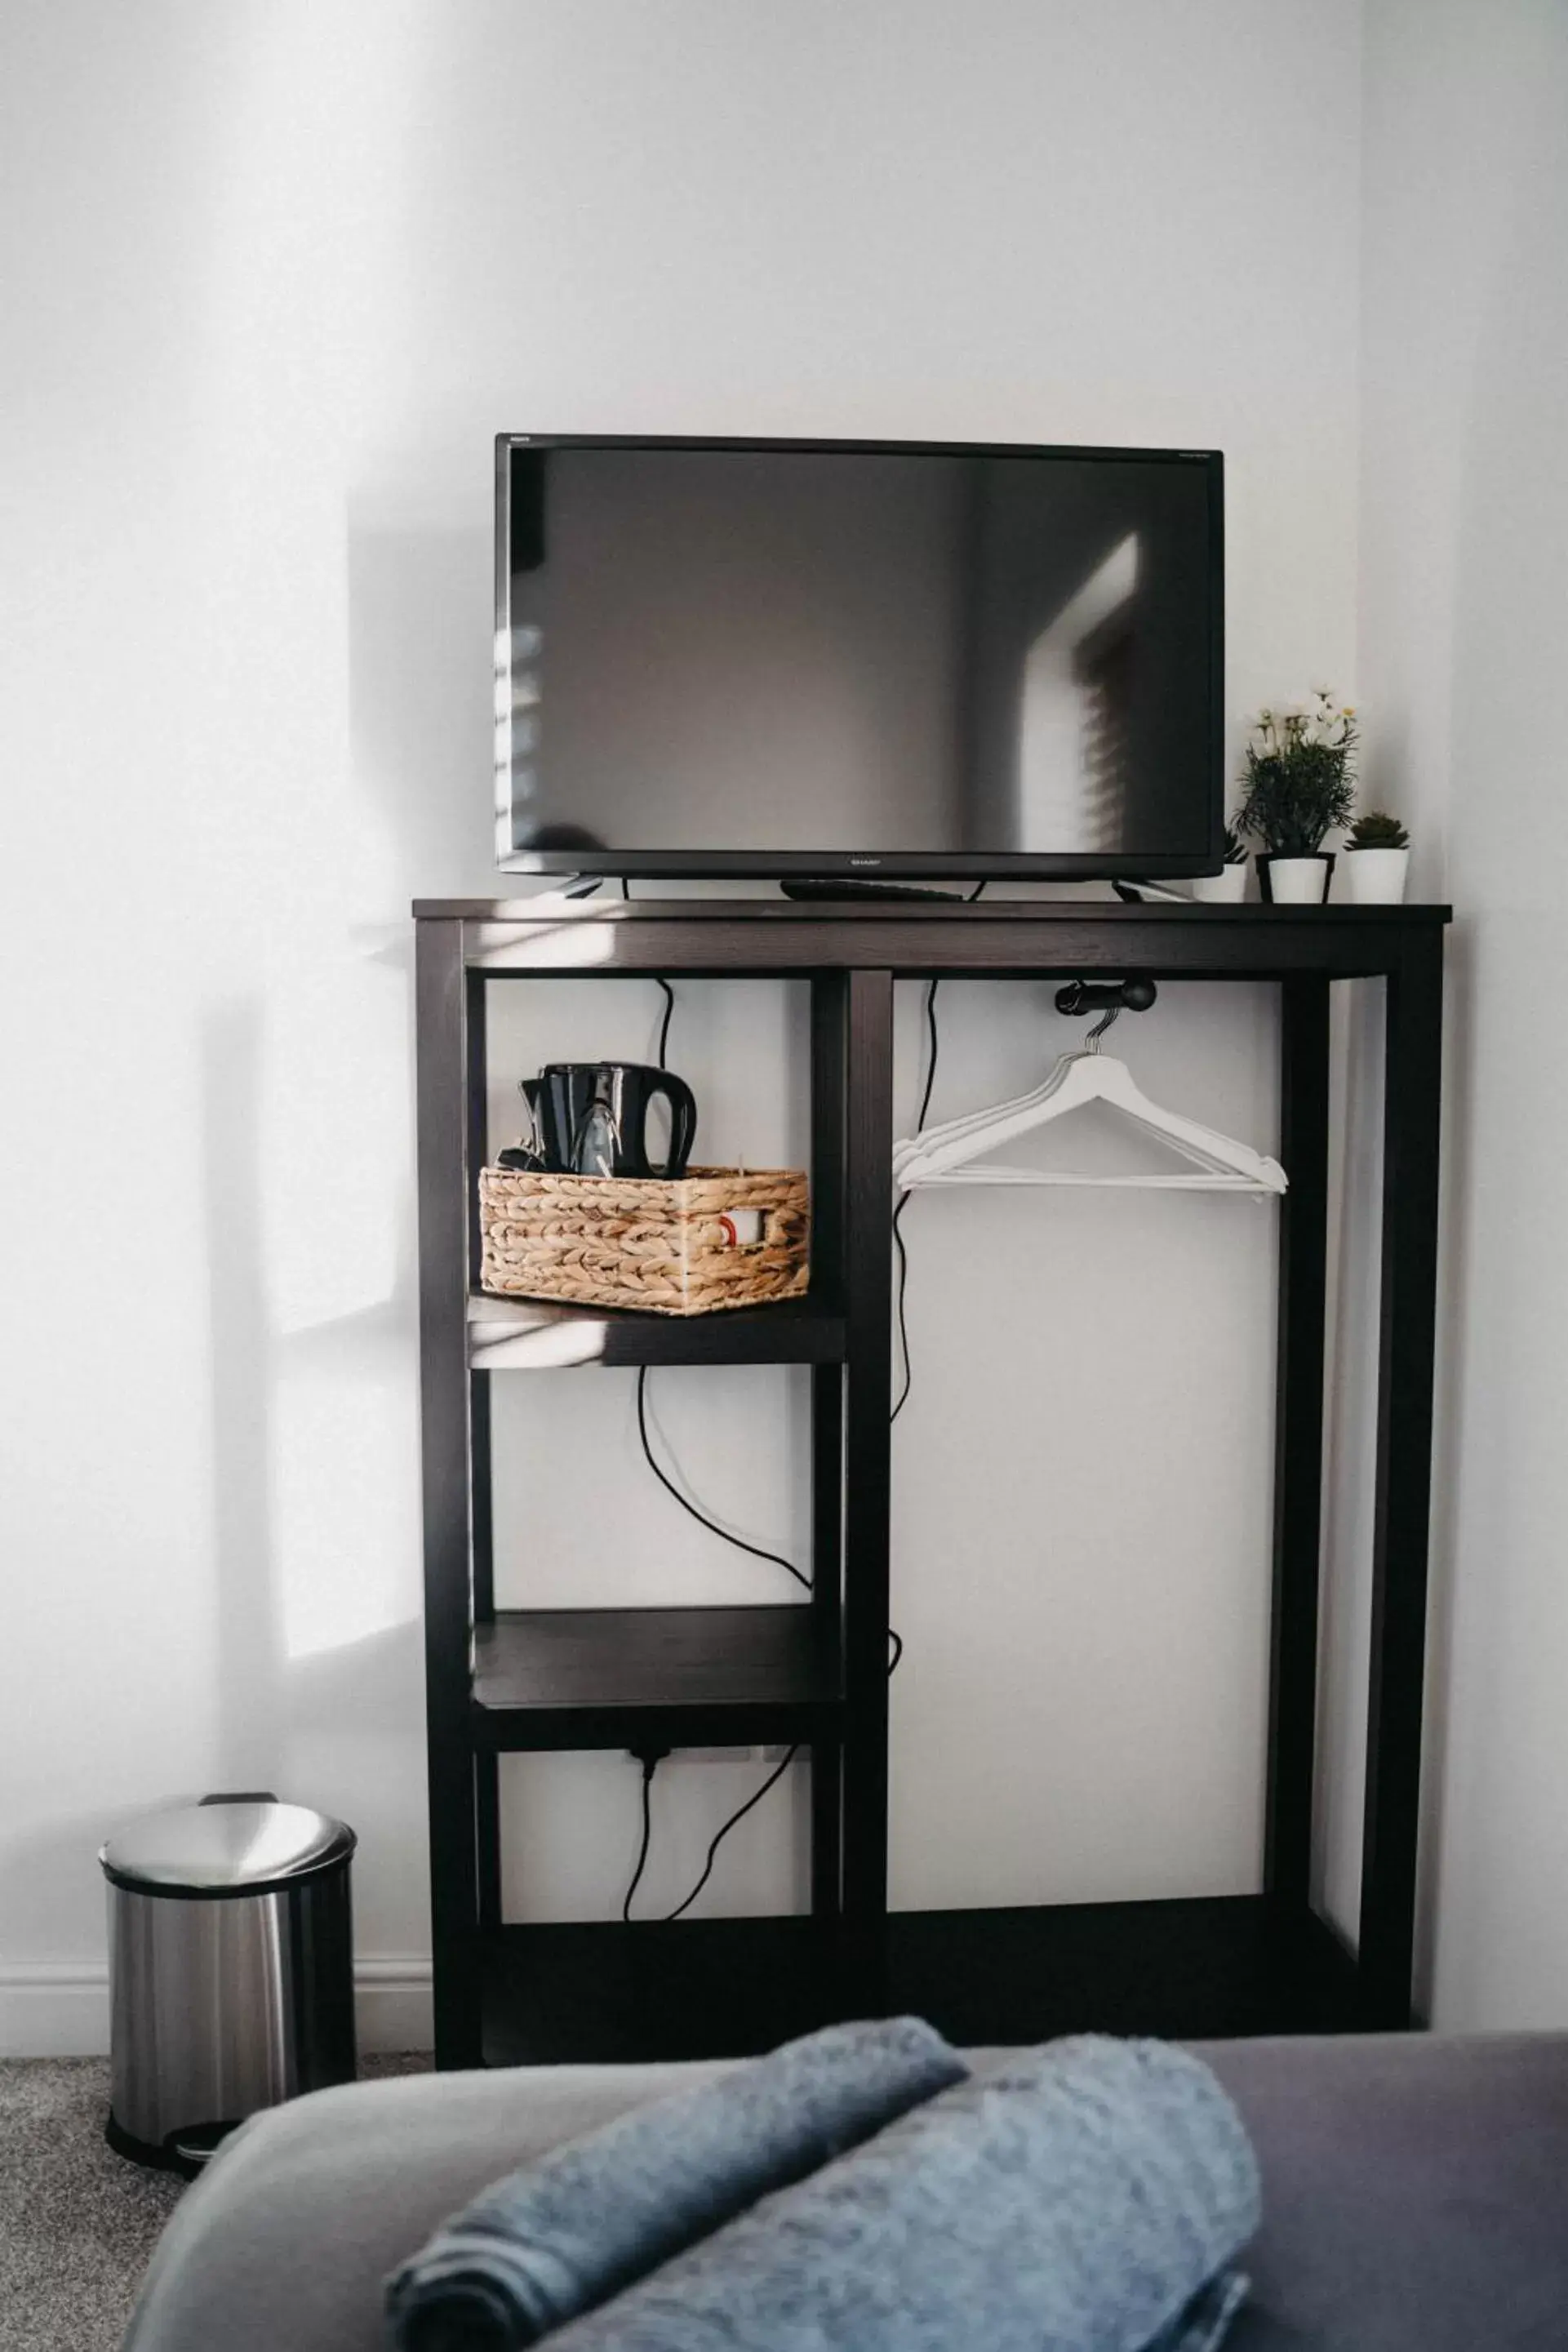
x,y
1092,2197
561,2234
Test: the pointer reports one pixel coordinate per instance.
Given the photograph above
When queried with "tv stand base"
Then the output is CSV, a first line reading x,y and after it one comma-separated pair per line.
x,y
830,886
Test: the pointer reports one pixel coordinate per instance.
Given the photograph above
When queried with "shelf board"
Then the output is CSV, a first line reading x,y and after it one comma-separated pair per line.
x,y
759,938
536,1335
565,1678
590,914
1206,1968
1200,1969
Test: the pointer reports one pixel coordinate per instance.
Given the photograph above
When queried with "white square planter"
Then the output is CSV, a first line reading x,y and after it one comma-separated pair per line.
x,y
1296,881
1375,878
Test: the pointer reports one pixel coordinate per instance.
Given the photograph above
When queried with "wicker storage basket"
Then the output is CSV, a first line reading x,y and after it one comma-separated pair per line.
x,y
664,1246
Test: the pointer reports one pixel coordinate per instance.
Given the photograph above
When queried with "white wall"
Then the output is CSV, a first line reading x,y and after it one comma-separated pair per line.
x,y
277,272
1465,609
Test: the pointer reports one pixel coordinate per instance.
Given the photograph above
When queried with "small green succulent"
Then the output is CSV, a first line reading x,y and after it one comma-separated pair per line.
x,y
1375,830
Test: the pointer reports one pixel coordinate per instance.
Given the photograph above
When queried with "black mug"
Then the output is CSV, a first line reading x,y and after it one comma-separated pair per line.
x,y
591,1118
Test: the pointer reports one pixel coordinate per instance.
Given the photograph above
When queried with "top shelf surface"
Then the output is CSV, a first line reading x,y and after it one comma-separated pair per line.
x,y
591,912
764,937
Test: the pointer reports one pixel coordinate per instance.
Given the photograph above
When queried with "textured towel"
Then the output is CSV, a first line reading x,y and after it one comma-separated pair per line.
x,y
1088,2198
561,2234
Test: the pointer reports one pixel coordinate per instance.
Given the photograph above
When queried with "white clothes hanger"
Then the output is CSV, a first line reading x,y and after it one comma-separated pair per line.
x,y
949,1153
916,1147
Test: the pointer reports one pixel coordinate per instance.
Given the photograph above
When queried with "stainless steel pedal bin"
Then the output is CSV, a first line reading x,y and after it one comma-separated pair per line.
x,y
231,1970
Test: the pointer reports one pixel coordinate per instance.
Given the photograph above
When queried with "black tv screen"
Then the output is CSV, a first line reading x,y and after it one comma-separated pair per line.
x,y
840,658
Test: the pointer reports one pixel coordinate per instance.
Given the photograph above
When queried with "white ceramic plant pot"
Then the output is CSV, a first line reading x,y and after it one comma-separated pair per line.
x,y
1296,881
1221,890
1375,878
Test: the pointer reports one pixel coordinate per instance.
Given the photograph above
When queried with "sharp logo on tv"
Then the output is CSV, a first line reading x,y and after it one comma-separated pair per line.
x,y
808,657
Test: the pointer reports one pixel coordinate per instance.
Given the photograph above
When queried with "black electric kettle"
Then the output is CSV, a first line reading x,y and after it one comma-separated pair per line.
x,y
591,1118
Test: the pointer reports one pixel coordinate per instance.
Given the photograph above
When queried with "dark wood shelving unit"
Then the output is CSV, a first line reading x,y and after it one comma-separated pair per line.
x,y
815,1674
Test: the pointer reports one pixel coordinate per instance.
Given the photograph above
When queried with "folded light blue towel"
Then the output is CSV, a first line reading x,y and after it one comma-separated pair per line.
x,y
1092,2197
563,2233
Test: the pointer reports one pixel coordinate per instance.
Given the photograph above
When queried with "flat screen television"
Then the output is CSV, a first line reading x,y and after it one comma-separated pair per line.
x,y
857,659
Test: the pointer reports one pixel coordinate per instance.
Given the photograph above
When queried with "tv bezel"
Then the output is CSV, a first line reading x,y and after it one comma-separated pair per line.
x,y
687,864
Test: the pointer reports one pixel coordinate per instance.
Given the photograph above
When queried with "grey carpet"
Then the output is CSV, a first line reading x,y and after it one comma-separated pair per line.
x,y
77,2223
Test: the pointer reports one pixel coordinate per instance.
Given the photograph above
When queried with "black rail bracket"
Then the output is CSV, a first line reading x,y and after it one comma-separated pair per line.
x,y
1133,994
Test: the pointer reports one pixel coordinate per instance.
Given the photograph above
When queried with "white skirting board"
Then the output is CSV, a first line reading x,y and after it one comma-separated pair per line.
x,y
59,2009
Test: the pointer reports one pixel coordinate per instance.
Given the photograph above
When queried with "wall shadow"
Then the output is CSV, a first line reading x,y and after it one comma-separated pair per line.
x,y
249,1628
421,695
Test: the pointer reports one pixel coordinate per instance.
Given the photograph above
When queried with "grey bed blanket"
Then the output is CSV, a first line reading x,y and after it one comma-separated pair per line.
x,y
563,2233
1092,2197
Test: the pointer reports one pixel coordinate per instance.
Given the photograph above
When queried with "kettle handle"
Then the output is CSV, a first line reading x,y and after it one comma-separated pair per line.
x,y
682,1121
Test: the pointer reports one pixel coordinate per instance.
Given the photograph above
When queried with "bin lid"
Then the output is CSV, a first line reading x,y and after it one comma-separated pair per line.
x,y
240,1846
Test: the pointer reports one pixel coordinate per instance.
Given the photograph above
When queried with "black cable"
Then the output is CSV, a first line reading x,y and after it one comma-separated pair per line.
x,y
757,1553
739,1815
898,1242
757,1550
669,996
650,1763
649,1766
900,1246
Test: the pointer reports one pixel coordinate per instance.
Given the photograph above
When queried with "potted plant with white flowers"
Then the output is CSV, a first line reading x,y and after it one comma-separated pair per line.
x,y
1229,884
1300,785
1376,860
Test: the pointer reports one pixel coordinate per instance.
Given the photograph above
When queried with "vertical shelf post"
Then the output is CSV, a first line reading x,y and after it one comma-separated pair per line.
x,y
1298,1439
486,1763
828,1026
868,1392
1402,1494
441,1023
